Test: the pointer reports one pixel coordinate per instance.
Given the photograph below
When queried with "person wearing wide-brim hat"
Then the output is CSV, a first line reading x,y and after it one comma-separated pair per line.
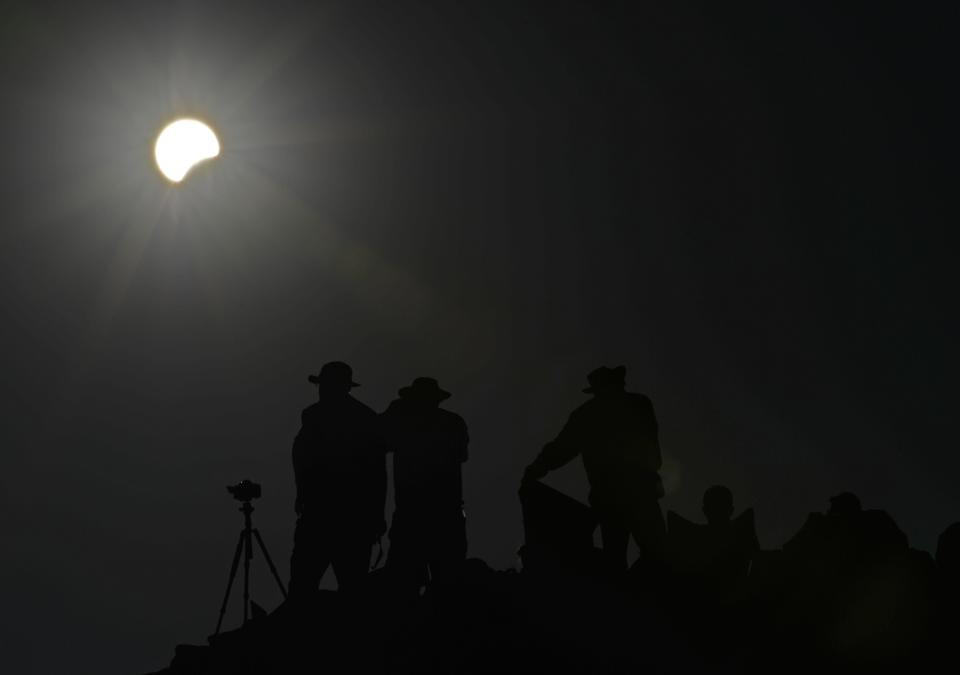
x,y
429,445
616,433
423,389
339,463
334,376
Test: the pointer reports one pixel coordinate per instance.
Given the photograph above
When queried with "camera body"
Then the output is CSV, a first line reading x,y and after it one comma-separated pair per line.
x,y
245,490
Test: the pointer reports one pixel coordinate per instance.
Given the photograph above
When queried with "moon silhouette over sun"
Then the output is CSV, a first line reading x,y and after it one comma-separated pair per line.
x,y
182,145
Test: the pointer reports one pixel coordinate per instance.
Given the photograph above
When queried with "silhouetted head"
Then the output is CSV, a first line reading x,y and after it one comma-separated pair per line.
x,y
336,377
844,504
948,550
718,504
424,391
605,380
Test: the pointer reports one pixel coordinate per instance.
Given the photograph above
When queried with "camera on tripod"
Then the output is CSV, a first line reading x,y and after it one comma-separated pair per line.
x,y
245,491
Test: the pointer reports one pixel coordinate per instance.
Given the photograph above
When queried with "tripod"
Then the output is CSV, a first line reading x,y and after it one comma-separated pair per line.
x,y
245,544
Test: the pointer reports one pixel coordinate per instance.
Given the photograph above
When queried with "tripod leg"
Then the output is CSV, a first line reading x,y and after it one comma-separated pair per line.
x,y
276,575
247,556
233,574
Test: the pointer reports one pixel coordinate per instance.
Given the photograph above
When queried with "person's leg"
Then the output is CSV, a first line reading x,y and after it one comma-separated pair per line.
x,y
448,548
615,537
351,560
649,532
406,561
310,557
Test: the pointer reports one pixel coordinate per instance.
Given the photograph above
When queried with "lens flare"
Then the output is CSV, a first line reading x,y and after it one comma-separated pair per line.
x,y
182,145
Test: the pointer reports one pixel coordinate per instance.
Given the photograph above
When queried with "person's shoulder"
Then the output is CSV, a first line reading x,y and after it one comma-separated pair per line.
x,y
597,404
592,403
450,417
310,411
587,408
395,406
638,399
360,408
881,522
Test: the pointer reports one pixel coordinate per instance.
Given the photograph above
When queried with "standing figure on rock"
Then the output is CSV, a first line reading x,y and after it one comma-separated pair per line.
x,y
428,538
339,463
616,434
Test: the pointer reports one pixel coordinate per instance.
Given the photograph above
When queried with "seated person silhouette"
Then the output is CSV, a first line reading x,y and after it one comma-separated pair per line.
x,y
428,539
615,433
714,557
845,540
339,464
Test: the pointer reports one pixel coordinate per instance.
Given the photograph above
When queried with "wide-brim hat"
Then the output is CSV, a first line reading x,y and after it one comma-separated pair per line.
x,y
606,379
424,389
335,373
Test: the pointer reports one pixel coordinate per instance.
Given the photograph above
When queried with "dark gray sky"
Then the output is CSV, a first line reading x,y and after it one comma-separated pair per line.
x,y
752,209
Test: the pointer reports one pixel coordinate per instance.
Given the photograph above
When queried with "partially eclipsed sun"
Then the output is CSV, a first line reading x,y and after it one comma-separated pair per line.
x,y
182,145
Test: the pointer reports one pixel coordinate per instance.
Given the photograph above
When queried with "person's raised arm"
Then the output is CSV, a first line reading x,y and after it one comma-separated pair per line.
x,y
556,453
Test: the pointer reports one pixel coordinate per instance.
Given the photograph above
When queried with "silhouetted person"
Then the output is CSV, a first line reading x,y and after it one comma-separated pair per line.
x,y
339,465
717,506
844,576
716,555
615,433
948,572
948,593
845,539
428,535
948,553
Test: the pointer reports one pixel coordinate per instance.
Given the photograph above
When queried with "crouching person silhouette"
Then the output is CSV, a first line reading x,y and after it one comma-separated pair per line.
x,y
428,539
339,463
615,433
